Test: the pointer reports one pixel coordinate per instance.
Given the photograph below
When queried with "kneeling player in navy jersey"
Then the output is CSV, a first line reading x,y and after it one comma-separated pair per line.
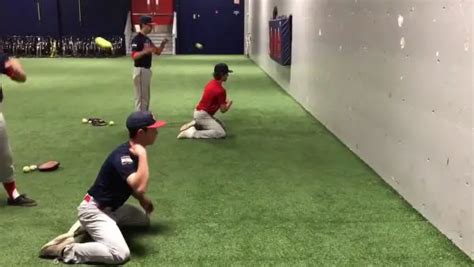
x,y
103,209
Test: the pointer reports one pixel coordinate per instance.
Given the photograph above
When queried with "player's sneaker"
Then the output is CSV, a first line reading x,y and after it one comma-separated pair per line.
x,y
187,125
189,133
22,201
55,247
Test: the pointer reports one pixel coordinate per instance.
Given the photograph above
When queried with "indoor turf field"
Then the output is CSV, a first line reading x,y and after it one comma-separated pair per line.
x,y
280,189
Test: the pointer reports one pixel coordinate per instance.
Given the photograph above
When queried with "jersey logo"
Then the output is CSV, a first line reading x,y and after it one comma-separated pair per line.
x,y
134,45
126,160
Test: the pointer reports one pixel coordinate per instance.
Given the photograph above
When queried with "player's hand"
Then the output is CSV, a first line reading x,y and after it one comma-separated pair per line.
x,y
147,205
138,150
15,70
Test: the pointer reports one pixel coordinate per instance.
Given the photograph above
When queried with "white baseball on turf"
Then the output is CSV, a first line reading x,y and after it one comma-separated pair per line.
x,y
111,123
84,120
33,167
26,169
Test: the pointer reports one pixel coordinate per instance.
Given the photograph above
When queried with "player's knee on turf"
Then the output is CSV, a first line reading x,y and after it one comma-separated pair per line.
x,y
120,254
220,133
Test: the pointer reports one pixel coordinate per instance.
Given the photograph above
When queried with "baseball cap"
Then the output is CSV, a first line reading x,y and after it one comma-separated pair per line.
x,y
222,68
146,20
143,119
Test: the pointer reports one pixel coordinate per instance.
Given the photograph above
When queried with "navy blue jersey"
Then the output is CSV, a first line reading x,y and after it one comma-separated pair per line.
x,y
3,59
110,188
138,44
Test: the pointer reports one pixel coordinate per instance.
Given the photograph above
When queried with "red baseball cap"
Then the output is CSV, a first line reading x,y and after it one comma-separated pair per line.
x,y
157,125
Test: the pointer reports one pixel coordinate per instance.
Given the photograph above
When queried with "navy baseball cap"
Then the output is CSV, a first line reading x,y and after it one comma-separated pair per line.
x,y
143,119
222,68
146,20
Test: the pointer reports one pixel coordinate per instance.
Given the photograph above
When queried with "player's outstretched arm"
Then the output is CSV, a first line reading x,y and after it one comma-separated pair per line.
x,y
159,50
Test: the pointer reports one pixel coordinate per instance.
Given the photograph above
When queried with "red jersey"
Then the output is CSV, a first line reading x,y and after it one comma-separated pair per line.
x,y
213,97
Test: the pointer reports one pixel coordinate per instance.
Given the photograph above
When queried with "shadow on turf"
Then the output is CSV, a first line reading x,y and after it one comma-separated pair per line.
x,y
133,234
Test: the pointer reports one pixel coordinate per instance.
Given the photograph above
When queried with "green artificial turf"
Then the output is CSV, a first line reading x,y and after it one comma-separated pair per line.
x,y
279,190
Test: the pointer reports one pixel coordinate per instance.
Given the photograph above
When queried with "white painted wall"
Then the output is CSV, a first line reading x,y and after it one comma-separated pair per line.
x,y
393,81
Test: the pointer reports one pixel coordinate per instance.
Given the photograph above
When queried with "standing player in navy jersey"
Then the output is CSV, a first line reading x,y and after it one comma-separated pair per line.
x,y
142,52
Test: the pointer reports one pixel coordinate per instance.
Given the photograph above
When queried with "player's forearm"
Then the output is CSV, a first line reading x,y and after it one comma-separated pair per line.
x,y
138,55
140,196
159,50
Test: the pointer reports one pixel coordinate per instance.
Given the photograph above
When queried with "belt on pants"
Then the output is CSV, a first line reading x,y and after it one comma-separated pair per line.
x,y
88,198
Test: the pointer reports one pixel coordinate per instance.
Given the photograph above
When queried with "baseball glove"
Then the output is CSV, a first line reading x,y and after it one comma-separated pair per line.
x,y
49,166
97,122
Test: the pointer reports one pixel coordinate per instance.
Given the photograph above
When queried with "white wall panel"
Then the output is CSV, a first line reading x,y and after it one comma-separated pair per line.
x,y
393,80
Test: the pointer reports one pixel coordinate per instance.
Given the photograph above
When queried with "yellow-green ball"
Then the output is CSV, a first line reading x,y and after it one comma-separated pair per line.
x,y
26,169
84,120
111,123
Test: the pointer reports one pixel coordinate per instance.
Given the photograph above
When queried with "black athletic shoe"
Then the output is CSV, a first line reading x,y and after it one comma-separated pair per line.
x,y
22,201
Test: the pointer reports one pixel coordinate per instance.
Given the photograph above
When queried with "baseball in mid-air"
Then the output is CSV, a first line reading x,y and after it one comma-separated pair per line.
x,y
199,46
